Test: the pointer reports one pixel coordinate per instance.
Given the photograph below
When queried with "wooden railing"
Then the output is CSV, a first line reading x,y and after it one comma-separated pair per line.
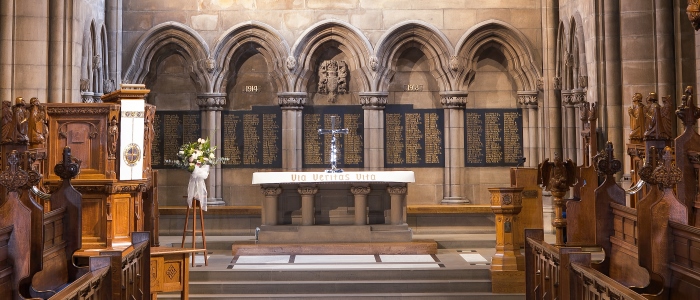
x,y
94,285
5,266
589,284
685,268
132,282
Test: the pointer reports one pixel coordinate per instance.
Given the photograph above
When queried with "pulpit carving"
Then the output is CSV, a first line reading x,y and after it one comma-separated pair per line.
x,y
38,130
113,137
658,118
636,113
19,111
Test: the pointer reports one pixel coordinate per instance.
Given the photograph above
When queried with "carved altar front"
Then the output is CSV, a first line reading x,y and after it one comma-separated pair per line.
x,y
112,208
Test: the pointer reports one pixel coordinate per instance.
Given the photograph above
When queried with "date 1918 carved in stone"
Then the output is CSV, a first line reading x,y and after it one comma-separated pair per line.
x,y
332,78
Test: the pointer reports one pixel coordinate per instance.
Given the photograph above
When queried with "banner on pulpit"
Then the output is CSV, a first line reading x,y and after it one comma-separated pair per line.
x,y
131,140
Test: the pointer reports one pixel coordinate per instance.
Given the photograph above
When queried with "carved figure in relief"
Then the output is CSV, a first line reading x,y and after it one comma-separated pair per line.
x,y
19,111
113,137
636,112
657,127
558,175
333,78
7,128
38,130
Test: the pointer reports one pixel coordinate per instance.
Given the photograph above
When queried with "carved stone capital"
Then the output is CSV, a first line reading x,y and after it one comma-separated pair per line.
x,y
579,96
214,101
271,191
360,190
374,100
567,98
528,98
307,190
292,100
454,99
397,190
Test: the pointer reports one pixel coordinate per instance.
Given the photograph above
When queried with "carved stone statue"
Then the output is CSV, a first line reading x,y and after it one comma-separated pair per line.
x,y
333,78
19,111
113,137
38,129
636,112
657,127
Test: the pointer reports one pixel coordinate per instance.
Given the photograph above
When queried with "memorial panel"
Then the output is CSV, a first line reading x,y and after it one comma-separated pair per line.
x,y
252,138
316,148
413,137
172,129
493,137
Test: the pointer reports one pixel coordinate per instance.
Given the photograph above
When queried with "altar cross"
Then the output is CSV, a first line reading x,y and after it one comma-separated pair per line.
x,y
333,132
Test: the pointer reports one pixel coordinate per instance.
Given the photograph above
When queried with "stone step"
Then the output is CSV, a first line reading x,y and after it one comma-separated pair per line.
x,y
341,287
441,244
344,275
378,296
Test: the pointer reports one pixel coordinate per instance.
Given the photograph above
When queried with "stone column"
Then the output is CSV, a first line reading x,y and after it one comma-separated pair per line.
x,y
569,103
292,103
210,105
611,89
269,205
307,193
360,193
551,110
528,101
373,104
56,44
506,204
579,97
398,201
113,24
453,103
7,17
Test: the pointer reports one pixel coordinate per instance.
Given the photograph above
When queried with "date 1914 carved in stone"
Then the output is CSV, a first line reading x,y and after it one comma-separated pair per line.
x,y
332,78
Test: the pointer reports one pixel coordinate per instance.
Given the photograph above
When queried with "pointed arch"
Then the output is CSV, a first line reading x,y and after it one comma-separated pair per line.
x,y
349,39
233,43
164,40
511,42
422,35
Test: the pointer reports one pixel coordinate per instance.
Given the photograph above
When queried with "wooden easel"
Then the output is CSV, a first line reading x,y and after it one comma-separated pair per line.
x,y
195,205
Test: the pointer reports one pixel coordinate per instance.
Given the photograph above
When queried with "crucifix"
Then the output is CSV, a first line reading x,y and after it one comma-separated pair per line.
x,y
333,132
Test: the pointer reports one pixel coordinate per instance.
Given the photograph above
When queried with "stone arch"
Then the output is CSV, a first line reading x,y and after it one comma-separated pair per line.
x,y
578,39
430,40
559,53
242,37
166,39
349,39
509,40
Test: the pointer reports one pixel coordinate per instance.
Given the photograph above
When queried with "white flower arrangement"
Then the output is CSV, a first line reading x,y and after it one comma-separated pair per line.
x,y
199,153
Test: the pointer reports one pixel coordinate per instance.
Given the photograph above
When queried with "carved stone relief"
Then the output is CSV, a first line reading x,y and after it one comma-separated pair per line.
x,y
333,75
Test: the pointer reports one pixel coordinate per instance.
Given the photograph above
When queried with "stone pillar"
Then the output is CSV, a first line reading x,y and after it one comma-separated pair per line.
x,y
56,44
506,204
579,97
113,24
292,103
611,113
373,104
360,193
528,101
210,105
307,193
398,200
569,103
269,205
551,110
453,102
7,17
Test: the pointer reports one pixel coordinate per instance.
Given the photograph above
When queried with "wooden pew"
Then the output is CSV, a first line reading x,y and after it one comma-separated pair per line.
x,y
5,265
61,239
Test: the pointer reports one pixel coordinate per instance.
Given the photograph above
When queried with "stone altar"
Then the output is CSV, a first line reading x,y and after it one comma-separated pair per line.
x,y
348,207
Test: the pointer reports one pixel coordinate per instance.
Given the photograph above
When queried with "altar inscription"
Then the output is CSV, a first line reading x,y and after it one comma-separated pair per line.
x,y
316,148
413,137
172,129
493,137
252,138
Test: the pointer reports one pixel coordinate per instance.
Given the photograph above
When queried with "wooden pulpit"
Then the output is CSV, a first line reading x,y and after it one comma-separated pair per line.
x,y
112,207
